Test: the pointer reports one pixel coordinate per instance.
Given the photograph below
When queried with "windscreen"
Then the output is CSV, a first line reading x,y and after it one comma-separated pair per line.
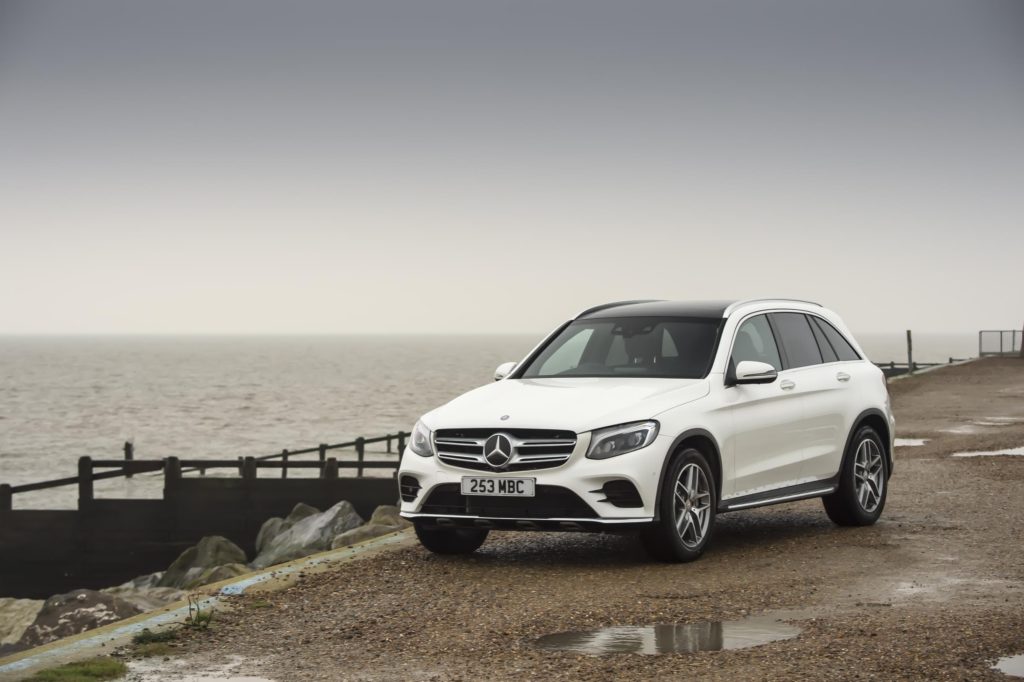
x,y
667,347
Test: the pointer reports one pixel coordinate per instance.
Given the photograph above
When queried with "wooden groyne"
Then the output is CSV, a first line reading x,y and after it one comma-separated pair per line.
x,y
105,542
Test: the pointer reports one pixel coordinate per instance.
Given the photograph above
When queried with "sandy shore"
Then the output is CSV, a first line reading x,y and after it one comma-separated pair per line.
x,y
933,591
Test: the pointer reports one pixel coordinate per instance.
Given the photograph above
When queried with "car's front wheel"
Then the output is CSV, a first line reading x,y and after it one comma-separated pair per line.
x,y
450,540
686,510
863,482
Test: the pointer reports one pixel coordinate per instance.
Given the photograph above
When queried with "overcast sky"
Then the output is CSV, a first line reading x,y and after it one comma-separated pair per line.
x,y
331,167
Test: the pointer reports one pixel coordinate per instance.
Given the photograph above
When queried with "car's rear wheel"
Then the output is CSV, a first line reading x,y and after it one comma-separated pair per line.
x,y
686,510
863,482
450,540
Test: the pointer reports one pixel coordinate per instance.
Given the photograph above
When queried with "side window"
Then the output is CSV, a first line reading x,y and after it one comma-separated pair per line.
x,y
754,341
668,345
568,356
839,343
827,353
797,339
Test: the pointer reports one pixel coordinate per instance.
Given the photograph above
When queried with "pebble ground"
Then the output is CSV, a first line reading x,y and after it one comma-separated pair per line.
x,y
934,591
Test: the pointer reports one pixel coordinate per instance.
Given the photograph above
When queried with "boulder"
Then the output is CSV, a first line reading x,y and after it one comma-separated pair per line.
x,y
365,532
68,614
218,573
270,529
274,526
309,535
146,598
211,551
387,515
15,616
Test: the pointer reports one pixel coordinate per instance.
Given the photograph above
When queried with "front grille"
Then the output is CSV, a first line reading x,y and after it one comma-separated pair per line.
x,y
531,448
550,502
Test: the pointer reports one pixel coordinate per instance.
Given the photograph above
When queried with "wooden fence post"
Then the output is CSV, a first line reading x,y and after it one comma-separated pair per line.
x,y
360,454
910,353
85,489
6,497
284,464
129,455
389,443
322,452
1022,343
172,475
401,442
331,468
249,468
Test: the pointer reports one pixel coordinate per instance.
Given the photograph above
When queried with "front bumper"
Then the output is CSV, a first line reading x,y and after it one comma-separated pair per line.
x,y
571,496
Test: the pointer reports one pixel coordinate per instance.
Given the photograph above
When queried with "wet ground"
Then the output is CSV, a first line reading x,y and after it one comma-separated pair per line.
x,y
935,590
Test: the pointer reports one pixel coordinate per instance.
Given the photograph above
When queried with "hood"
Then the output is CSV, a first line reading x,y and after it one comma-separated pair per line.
x,y
577,404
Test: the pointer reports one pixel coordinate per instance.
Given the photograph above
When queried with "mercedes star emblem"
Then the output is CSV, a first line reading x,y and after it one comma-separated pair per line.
x,y
498,450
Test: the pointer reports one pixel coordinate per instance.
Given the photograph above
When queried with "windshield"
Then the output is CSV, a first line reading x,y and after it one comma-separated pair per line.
x,y
667,347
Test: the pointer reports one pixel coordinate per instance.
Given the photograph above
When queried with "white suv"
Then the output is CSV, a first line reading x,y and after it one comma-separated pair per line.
x,y
655,416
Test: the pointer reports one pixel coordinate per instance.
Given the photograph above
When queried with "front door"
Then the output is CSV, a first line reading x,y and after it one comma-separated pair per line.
x,y
767,433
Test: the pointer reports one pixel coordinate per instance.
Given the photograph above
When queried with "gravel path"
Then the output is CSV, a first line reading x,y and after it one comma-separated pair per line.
x,y
935,590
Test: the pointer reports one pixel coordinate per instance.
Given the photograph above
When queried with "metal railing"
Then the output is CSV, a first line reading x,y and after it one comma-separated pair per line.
x,y
999,342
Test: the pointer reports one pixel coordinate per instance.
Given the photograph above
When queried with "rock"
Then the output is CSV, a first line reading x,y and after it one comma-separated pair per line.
x,y
68,614
274,526
366,532
211,551
270,529
146,598
218,573
310,535
387,515
15,616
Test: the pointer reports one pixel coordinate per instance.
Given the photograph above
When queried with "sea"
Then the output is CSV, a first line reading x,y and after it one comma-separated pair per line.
x,y
221,397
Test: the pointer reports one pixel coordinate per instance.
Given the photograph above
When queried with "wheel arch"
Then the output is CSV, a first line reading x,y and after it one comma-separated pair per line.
x,y
876,419
702,440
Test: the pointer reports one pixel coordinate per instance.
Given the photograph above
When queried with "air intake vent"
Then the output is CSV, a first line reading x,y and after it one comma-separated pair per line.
x,y
408,488
622,493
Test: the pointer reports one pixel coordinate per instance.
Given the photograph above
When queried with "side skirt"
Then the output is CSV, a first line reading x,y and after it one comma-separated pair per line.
x,y
779,495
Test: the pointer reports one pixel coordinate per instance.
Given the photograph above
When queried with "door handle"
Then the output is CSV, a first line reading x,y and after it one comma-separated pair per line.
x,y
843,376
787,385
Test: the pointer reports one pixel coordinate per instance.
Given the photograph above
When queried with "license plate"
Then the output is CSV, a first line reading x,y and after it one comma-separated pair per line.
x,y
503,487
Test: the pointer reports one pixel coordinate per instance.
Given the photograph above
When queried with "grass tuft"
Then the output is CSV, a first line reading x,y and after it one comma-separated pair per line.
x,y
152,649
147,636
102,668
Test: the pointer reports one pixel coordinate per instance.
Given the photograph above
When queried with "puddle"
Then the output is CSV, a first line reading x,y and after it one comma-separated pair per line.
x,y
180,670
1011,665
909,442
1008,452
671,638
965,429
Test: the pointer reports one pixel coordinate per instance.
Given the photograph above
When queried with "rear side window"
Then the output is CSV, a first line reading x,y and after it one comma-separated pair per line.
x,y
839,343
827,354
797,339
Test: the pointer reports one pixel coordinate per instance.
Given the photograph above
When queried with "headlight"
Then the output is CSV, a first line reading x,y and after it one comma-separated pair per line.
x,y
618,440
419,442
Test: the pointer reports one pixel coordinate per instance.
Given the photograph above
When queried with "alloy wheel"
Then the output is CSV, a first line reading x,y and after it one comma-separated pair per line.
x,y
868,475
692,505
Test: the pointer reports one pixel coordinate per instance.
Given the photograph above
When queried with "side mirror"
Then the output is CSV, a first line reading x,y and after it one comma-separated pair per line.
x,y
751,372
504,369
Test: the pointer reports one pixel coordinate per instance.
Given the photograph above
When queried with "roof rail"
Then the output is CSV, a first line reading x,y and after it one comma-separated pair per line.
x,y
737,304
616,304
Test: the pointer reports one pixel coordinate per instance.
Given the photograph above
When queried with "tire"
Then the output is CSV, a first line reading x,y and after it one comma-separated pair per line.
x,y
450,540
863,482
686,521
